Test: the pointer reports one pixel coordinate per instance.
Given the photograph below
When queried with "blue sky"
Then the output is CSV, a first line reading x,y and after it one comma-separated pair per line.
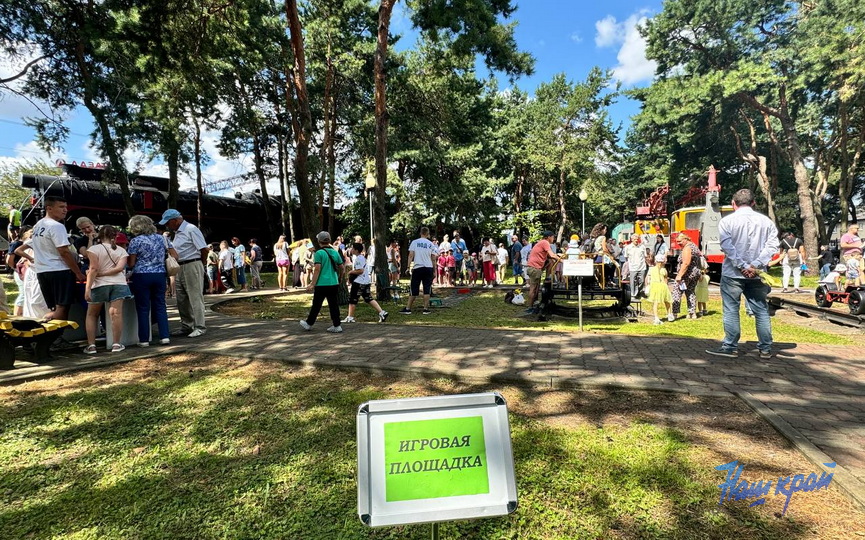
x,y
564,37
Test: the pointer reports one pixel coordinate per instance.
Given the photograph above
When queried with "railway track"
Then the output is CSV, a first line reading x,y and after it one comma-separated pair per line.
x,y
811,310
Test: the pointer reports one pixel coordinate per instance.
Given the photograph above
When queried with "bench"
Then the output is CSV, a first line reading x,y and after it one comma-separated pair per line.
x,y
31,334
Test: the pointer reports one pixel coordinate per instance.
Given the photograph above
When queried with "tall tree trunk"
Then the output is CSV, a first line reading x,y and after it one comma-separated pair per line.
x,y
302,119
757,163
272,223
810,233
109,148
284,208
331,172
563,210
173,161
381,124
327,113
198,181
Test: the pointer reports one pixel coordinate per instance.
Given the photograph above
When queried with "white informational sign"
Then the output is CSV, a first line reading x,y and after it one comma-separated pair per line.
x,y
578,267
431,459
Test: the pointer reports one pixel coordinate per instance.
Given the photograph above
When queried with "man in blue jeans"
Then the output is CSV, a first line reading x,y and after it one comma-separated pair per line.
x,y
749,240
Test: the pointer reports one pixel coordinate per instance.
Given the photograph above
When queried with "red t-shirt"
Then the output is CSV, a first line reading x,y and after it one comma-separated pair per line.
x,y
450,262
538,254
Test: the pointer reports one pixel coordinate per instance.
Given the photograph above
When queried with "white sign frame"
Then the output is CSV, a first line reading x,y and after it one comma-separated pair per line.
x,y
578,267
375,511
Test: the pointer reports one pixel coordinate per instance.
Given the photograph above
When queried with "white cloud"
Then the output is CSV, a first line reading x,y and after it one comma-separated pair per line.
x,y
28,152
608,31
633,66
576,37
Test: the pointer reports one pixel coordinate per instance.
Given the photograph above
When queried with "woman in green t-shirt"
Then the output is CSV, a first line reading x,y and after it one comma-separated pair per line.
x,y
328,266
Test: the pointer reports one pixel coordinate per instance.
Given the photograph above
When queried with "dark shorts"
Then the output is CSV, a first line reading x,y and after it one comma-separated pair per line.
x,y
421,276
58,288
358,291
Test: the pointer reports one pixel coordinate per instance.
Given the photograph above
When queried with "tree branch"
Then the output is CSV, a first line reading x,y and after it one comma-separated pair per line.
x,y
23,71
751,101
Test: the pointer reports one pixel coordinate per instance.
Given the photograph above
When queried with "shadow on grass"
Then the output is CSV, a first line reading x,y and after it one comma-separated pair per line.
x,y
240,453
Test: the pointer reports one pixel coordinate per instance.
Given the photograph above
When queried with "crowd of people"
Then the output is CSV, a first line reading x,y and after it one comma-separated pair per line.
x,y
104,266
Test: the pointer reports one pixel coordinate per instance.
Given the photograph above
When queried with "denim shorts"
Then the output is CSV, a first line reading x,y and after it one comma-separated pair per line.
x,y
109,293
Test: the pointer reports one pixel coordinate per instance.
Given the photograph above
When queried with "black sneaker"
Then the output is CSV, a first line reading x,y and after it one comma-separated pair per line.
x,y
726,353
426,312
382,317
405,311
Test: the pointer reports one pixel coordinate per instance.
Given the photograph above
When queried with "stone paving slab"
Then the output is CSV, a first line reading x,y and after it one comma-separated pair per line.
x,y
813,394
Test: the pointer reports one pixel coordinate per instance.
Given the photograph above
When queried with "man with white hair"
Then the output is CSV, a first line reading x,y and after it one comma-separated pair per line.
x,y
635,253
192,253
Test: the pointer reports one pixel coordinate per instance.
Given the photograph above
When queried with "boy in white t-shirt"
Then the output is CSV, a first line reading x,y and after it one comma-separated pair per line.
x,y
833,278
360,283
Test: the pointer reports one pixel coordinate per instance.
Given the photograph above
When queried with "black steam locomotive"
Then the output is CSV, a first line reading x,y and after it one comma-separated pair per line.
x,y
88,195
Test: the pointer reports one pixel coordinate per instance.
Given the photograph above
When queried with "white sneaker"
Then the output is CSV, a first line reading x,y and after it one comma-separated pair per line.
x,y
382,316
305,325
165,341
143,344
229,291
349,319
196,333
657,320
671,317
334,329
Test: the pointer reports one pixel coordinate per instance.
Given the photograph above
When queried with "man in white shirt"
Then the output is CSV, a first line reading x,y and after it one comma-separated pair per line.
x,y
524,258
423,253
55,264
192,256
635,253
748,240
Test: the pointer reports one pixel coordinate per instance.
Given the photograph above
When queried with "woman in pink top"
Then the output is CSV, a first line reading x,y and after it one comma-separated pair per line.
x,y
106,283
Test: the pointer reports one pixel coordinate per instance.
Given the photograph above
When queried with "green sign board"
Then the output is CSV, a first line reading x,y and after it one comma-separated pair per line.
x,y
432,459
435,458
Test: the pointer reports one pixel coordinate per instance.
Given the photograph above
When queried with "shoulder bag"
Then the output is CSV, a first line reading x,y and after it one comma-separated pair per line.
x,y
172,267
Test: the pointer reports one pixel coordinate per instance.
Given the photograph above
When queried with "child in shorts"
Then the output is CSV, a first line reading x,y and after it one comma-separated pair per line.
x,y
702,292
450,268
360,283
854,269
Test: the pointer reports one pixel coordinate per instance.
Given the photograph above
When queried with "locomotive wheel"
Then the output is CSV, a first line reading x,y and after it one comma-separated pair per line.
x,y
820,297
857,302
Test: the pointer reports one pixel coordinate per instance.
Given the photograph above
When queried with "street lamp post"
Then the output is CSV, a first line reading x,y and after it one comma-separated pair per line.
x,y
583,197
370,187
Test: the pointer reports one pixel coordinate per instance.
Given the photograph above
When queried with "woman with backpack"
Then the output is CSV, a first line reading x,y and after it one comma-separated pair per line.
x,y
792,257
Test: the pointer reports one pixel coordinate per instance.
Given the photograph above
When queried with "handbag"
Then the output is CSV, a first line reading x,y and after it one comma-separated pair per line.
x,y
172,267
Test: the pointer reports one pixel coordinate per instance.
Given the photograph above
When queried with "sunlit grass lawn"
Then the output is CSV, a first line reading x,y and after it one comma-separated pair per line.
x,y
488,310
213,447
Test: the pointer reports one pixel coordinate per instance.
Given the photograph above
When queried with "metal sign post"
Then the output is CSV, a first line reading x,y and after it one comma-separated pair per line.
x,y
580,268
427,460
580,300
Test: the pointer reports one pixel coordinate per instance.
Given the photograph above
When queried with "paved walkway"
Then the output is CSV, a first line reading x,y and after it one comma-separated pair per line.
x,y
813,394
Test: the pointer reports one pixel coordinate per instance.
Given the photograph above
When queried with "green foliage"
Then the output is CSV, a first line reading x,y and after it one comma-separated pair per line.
x,y
11,191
